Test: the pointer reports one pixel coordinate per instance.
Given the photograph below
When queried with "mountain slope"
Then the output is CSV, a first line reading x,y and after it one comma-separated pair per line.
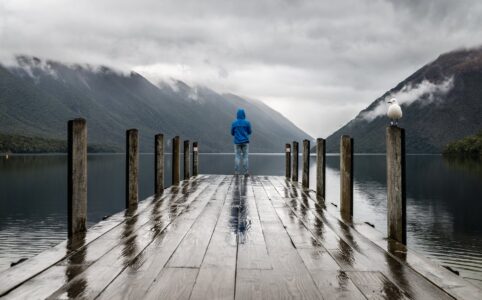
x,y
38,97
441,102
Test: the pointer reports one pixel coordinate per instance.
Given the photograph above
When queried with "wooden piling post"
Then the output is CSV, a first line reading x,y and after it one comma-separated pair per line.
x,y
187,163
159,164
346,177
396,192
132,167
320,168
305,179
77,176
195,159
175,161
294,173
288,160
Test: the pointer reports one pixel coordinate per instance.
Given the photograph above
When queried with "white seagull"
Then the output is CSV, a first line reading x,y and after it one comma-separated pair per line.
x,y
394,112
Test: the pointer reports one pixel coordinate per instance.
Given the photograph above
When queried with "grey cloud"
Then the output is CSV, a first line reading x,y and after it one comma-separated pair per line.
x,y
318,62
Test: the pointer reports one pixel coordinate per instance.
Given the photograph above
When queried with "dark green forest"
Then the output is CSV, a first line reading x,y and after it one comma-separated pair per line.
x,y
470,146
24,144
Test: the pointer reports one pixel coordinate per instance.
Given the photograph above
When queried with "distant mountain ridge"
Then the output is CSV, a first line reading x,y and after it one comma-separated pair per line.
x,y
442,103
37,97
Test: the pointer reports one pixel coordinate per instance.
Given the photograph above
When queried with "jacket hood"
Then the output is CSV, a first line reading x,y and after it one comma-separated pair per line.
x,y
241,114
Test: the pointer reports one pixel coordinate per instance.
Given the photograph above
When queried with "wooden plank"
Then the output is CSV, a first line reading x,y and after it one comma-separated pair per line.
x,y
15,276
127,243
261,284
285,260
443,278
376,286
252,251
192,249
174,283
216,277
134,282
318,259
358,253
336,285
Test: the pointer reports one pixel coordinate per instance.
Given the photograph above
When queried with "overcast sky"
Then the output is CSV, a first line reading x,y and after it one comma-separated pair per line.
x,y
317,62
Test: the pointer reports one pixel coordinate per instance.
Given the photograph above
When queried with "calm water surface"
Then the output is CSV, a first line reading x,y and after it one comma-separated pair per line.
x,y
444,201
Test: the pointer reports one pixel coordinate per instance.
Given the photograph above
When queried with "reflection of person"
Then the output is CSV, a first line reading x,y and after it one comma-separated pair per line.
x,y
241,129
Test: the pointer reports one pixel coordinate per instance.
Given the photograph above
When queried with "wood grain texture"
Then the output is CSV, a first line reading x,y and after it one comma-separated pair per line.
x,y
294,160
187,163
159,164
77,177
320,169
288,161
224,237
195,159
132,168
396,192
176,165
346,177
305,179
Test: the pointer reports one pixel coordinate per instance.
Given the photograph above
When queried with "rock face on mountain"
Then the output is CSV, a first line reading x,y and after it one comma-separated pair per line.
x,y
441,102
38,97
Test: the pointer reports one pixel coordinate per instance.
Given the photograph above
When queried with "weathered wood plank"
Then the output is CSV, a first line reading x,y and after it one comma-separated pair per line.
x,y
122,245
346,177
18,274
132,168
252,252
396,193
176,165
77,177
285,260
257,237
192,249
288,161
305,179
357,253
187,163
134,282
216,278
376,286
159,164
294,160
320,169
174,283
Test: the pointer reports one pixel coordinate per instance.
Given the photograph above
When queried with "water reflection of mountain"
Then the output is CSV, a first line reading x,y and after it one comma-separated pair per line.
x,y
472,165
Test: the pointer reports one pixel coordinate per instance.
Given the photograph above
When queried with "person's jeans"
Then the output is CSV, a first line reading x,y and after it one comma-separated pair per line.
x,y
241,157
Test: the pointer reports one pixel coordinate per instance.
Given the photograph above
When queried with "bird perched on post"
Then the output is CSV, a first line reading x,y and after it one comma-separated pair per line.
x,y
394,111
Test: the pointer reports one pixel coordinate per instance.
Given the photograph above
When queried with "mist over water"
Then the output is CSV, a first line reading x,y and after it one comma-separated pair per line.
x,y
443,200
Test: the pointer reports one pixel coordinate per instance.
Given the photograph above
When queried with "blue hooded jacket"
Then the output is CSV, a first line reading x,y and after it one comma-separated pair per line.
x,y
241,128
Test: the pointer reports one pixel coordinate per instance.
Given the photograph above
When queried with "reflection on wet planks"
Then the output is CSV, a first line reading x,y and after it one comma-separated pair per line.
x,y
226,237
356,253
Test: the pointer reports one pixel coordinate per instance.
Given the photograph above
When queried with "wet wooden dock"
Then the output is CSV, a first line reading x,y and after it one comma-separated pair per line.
x,y
225,237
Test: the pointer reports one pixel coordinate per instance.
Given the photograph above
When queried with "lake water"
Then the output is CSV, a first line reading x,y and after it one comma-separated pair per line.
x,y
444,200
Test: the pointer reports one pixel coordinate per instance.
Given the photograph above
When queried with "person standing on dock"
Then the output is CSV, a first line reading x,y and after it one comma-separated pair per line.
x,y
241,130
